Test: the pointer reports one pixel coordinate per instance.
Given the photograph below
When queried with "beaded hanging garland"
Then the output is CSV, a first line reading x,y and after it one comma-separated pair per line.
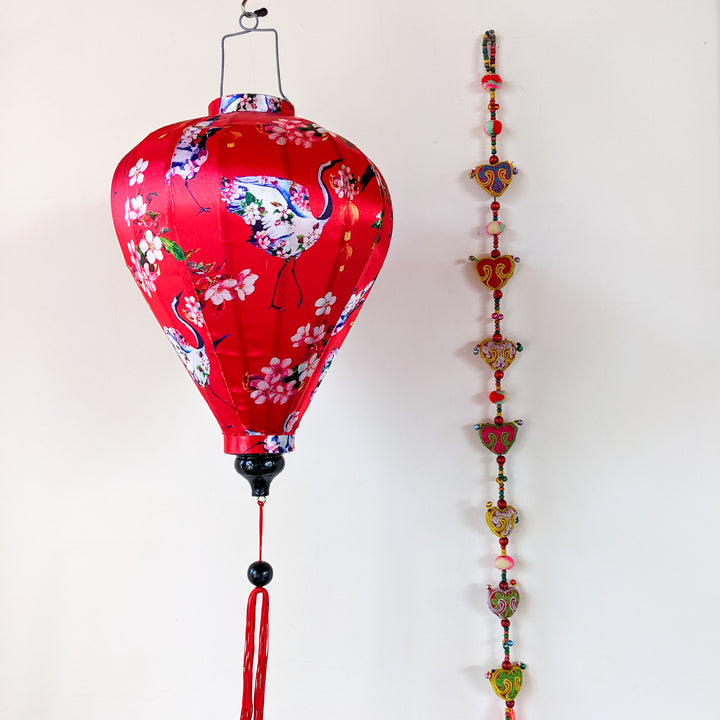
x,y
499,353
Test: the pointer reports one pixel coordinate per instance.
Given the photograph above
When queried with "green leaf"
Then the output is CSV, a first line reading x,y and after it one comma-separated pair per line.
x,y
172,247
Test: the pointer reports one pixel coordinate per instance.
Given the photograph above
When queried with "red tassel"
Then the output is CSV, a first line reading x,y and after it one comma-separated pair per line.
x,y
262,656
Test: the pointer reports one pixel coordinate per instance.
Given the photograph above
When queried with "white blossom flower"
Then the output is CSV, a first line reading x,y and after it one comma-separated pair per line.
x,y
324,304
151,247
318,334
300,337
220,291
252,214
307,368
245,283
136,172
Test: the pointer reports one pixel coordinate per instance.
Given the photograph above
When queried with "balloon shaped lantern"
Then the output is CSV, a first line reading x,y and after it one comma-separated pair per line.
x,y
255,237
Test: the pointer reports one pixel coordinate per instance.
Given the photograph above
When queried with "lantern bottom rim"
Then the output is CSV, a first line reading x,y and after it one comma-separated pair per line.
x,y
243,444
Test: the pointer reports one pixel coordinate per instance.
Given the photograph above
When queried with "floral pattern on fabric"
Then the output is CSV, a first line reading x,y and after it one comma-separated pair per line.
x,y
145,249
277,211
345,184
353,306
251,102
236,228
292,131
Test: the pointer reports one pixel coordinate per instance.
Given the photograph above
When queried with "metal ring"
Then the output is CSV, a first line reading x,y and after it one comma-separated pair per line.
x,y
249,15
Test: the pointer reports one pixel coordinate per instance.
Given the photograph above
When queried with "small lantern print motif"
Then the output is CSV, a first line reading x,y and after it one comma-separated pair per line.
x,y
255,237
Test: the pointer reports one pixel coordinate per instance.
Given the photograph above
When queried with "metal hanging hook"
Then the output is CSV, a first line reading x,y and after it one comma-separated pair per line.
x,y
260,12
251,15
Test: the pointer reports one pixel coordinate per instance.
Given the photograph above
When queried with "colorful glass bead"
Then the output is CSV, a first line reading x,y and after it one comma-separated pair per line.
x,y
491,81
495,228
504,562
493,127
497,396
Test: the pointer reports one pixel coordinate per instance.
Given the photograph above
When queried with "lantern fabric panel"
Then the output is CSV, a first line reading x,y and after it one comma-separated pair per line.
x,y
255,237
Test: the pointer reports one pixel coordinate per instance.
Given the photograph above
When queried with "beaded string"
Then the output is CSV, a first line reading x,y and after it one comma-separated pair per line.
x,y
499,435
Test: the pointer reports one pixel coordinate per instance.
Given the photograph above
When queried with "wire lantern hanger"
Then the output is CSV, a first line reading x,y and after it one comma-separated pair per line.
x,y
249,21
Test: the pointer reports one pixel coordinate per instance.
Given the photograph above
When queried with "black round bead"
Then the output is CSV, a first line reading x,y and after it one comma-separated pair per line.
x,y
260,573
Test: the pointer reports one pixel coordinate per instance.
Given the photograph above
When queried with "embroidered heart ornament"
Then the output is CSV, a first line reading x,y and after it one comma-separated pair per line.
x,y
498,438
503,603
495,272
501,521
498,355
494,179
507,683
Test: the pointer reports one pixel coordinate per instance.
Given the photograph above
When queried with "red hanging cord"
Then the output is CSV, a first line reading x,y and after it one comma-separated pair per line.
x,y
261,505
256,701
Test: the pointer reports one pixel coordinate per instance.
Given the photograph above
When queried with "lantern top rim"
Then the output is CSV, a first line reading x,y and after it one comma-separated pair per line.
x,y
251,102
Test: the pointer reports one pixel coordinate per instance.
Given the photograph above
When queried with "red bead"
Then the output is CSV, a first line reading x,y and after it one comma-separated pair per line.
x,y
510,703
497,294
502,584
500,460
497,396
499,374
497,337
495,253
493,106
502,504
493,127
495,205
507,665
503,542
491,81
505,623
499,420
494,160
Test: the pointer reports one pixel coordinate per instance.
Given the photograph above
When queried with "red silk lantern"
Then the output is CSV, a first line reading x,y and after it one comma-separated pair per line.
x,y
255,237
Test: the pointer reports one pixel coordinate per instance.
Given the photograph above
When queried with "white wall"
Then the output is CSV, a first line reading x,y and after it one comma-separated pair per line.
x,y
124,531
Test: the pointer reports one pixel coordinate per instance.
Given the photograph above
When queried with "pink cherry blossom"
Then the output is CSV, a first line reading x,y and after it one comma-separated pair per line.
x,y
134,209
193,311
345,184
277,370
